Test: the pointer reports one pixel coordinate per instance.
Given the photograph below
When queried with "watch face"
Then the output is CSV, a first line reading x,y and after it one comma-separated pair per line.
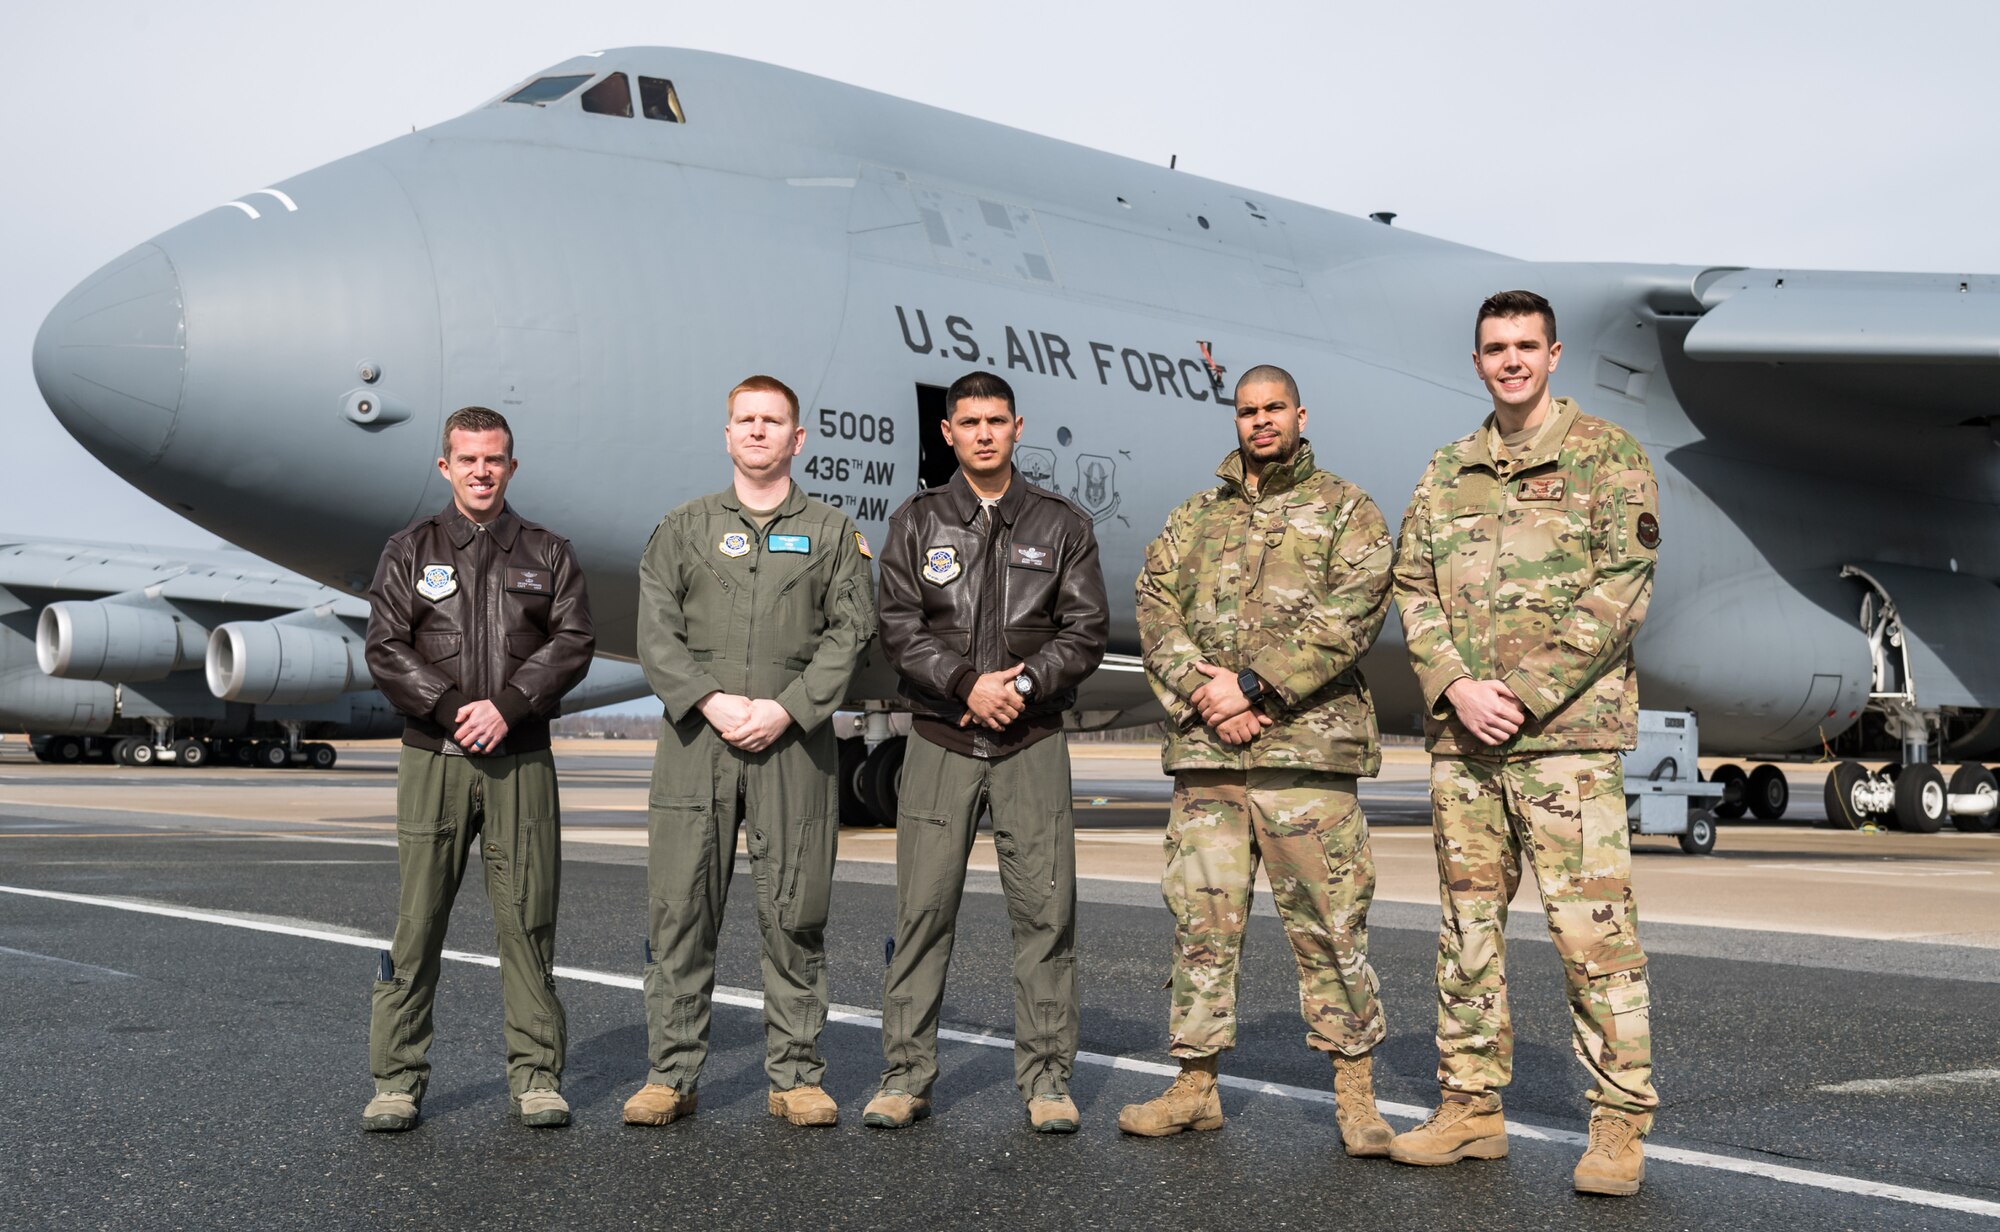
x,y
1023,685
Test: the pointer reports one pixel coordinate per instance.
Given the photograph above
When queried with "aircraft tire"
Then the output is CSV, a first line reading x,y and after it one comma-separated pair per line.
x,y
1841,812
243,752
1726,774
878,780
66,750
1768,793
190,753
853,756
321,756
1973,779
1699,839
1920,799
270,755
142,753
121,752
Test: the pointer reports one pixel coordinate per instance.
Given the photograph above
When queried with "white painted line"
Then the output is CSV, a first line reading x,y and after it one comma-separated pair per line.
x,y
744,998
291,207
241,206
67,962
1915,1082
1890,870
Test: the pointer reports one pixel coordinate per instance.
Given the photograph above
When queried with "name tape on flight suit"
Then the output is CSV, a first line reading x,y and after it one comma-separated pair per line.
x,y
789,543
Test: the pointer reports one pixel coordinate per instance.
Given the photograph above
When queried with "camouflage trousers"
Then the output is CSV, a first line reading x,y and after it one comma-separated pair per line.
x,y
1566,812
1308,829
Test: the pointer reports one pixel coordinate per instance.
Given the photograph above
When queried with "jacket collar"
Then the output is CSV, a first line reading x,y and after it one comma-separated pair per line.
x,y
965,502
1278,477
794,502
1484,447
460,528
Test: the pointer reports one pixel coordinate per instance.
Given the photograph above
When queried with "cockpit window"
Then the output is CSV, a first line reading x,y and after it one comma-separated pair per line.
x,y
612,96
659,102
543,90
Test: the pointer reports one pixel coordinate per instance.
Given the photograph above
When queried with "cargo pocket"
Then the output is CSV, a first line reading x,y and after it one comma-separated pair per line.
x,y
810,877
537,871
681,841
1027,874
925,857
1600,933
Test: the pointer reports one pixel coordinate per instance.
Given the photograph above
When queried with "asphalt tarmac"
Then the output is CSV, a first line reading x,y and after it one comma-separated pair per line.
x,y
186,1006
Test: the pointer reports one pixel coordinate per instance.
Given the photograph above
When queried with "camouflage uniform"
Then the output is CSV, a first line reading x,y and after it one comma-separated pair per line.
x,y
1535,571
1288,577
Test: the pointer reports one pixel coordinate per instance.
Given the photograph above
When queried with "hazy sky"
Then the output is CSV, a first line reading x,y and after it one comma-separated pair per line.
x,y
1828,135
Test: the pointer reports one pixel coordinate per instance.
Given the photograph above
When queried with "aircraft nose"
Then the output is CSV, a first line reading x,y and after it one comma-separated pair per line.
x,y
111,358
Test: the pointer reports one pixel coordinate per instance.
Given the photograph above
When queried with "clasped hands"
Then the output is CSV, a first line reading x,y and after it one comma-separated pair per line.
x,y
994,701
480,727
1488,708
750,724
1223,706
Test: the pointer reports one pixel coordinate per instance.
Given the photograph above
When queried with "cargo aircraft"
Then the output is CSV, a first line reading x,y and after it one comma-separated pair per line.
x,y
601,250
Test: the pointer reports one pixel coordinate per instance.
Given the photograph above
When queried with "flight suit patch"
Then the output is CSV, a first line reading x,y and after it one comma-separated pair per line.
x,y
437,582
1649,531
788,543
940,565
735,543
1542,488
1028,556
861,544
534,581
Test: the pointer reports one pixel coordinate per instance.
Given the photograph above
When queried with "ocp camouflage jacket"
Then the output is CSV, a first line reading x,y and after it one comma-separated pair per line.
x,y
1290,581
1534,571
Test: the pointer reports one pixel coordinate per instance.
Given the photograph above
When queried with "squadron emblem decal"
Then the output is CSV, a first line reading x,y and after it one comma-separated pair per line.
x,y
438,582
940,565
735,543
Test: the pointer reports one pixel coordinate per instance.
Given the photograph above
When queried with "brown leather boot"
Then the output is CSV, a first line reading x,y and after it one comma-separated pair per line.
x,y
1459,1129
1614,1163
804,1105
1363,1132
1192,1102
658,1104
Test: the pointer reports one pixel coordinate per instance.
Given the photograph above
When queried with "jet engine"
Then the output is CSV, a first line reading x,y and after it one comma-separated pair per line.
x,y
115,640
283,663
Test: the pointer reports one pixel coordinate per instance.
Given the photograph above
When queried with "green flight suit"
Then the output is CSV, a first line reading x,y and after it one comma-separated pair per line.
x,y
783,613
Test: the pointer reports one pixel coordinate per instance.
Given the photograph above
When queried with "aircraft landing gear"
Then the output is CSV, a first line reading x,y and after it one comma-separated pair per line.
x,y
1768,792
320,756
190,753
1920,799
270,755
1854,797
877,780
1976,781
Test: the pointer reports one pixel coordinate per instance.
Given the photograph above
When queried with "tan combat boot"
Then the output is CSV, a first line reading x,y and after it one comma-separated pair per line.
x,y
1052,1114
542,1108
805,1105
1614,1163
658,1104
894,1109
1362,1130
390,1112
1192,1102
1460,1129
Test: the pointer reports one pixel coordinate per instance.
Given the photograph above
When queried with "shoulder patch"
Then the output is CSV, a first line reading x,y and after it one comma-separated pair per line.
x,y
861,545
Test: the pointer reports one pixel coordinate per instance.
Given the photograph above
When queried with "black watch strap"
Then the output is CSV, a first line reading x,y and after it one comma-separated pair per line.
x,y
1253,688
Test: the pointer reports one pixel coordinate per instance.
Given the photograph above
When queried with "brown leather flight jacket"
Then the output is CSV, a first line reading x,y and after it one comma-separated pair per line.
x,y
958,600
461,612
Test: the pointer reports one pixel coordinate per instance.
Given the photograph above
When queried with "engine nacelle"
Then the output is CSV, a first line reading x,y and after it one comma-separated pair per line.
x,y
275,663
106,640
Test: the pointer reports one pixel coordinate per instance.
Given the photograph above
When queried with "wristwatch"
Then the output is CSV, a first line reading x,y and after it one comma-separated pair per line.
x,y
1253,688
1024,686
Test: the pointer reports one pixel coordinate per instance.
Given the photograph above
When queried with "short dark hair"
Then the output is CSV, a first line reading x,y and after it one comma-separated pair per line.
x,y
476,419
978,385
762,384
1269,373
1515,304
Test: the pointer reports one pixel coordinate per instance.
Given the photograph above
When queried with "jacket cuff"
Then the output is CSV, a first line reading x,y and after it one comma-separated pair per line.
x,y
513,706
445,713
1435,682
1541,702
962,681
